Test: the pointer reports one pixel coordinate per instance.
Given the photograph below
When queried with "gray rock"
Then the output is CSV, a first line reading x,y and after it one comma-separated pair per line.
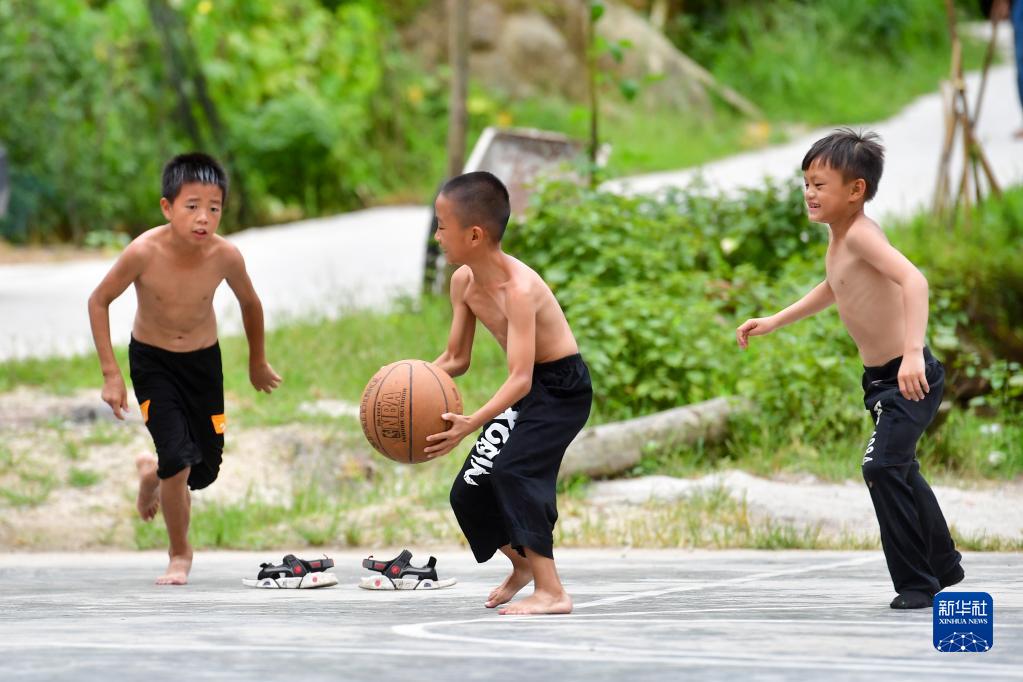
x,y
652,55
485,25
527,49
534,57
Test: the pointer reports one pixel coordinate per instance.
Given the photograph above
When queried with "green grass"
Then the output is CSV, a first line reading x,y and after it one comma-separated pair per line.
x,y
31,490
7,459
330,359
645,139
72,450
60,376
983,542
82,478
826,62
710,519
105,433
967,446
334,359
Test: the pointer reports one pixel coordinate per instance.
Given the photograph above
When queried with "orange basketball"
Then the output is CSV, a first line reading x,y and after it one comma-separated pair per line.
x,y
402,405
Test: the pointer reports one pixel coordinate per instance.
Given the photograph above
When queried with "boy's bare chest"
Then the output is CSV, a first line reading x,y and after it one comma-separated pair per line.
x,y
844,270
489,308
854,281
176,284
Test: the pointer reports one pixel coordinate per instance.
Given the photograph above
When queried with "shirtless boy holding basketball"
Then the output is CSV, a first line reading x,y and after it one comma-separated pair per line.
x,y
505,495
174,354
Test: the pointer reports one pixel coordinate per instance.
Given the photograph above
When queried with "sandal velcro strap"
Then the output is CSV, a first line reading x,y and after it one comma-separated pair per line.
x,y
293,567
399,567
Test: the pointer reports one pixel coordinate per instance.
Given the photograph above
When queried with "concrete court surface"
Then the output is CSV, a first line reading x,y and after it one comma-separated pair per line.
x,y
640,615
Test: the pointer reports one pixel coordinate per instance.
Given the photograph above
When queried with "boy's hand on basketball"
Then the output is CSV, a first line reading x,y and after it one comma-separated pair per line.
x,y
913,377
446,441
757,326
115,395
263,377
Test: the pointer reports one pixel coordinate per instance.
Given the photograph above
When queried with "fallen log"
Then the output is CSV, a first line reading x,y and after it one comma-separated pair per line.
x,y
609,449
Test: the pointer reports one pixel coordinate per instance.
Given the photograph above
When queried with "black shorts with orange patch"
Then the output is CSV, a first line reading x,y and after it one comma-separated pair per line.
x,y
182,400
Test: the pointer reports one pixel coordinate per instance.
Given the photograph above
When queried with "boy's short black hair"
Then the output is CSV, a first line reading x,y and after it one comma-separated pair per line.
x,y
192,167
854,155
480,198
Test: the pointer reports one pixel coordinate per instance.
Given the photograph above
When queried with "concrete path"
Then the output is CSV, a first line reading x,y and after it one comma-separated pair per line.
x,y
912,140
976,510
369,257
321,266
640,615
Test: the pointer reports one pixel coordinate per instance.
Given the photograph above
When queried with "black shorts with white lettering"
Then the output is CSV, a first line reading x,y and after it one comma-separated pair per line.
x,y
506,491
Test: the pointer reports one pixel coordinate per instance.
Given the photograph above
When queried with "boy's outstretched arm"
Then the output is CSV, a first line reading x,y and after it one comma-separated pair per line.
x,y
456,357
819,298
124,271
261,374
521,357
871,246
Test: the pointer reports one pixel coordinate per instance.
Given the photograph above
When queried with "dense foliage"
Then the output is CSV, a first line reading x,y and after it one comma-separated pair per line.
x,y
317,106
654,288
800,59
311,105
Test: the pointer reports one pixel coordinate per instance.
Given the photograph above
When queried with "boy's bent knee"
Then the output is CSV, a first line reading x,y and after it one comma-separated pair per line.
x,y
180,478
871,470
877,474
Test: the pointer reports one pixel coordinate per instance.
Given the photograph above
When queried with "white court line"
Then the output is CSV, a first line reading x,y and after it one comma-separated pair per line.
x,y
721,583
591,651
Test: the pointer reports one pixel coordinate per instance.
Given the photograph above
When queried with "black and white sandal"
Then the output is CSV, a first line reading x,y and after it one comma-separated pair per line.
x,y
400,574
294,573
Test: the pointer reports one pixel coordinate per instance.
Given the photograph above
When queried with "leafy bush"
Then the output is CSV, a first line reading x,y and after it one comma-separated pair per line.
x,y
773,52
318,108
312,108
976,294
654,288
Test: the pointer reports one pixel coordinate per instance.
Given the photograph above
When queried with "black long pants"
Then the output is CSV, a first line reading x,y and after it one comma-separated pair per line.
x,y
917,545
506,493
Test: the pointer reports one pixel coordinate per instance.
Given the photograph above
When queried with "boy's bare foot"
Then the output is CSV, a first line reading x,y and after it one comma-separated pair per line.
x,y
148,500
503,593
539,603
177,570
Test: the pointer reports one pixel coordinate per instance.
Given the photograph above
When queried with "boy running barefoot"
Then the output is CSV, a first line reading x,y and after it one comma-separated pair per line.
x,y
882,301
174,355
504,497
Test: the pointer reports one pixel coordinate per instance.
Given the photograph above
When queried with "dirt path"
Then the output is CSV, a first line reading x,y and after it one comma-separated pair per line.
x,y
976,509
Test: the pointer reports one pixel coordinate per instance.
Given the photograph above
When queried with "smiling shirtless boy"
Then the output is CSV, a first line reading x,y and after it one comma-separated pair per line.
x,y
882,301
